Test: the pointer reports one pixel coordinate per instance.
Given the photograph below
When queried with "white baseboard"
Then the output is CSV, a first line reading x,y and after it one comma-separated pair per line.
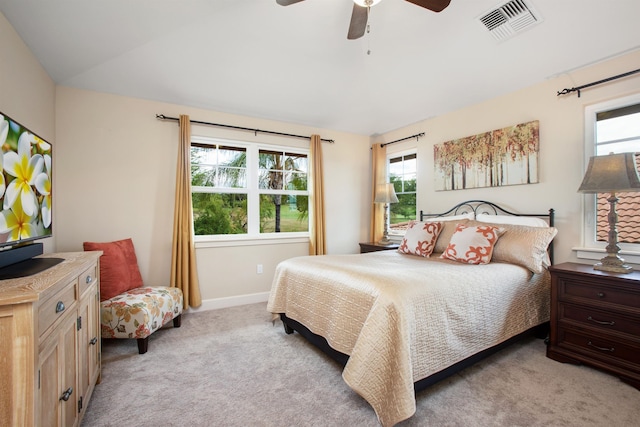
x,y
218,303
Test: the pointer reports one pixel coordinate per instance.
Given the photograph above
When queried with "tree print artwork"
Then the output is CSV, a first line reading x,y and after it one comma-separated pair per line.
x,y
507,156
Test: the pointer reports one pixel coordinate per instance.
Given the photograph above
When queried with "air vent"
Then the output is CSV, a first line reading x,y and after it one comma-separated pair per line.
x,y
508,19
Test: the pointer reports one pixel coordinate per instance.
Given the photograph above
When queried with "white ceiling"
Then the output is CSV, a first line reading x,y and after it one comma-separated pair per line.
x,y
295,64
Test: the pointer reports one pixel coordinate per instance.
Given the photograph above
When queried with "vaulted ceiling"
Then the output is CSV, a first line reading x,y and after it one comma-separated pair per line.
x,y
295,64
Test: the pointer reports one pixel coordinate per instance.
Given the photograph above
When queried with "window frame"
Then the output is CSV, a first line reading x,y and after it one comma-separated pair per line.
x,y
397,236
591,248
253,192
284,191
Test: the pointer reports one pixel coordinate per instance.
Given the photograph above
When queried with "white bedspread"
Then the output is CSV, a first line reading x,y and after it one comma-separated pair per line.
x,y
402,318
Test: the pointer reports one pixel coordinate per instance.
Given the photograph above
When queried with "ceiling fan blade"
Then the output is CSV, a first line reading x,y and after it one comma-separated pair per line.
x,y
358,24
287,2
433,5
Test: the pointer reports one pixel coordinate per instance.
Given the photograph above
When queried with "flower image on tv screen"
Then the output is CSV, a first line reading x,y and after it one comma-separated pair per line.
x,y
25,184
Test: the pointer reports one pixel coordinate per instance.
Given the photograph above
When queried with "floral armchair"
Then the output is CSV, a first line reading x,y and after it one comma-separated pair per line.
x,y
139,312
128,309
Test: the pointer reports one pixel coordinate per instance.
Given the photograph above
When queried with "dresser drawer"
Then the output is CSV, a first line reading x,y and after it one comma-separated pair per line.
x,y
597,347
55,307
570,288
87,279
600,319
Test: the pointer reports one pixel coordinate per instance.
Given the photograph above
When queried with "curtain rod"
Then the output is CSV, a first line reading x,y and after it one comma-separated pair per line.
x,y
577,89
417,135
163,117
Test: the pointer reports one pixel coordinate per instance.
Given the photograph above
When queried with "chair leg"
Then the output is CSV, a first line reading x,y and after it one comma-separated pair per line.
x,y
143,345
177,321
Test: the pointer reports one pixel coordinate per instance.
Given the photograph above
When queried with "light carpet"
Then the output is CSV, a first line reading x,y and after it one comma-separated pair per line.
x,y
233,367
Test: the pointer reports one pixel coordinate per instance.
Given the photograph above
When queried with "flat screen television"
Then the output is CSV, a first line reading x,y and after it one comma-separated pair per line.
x,y
25,198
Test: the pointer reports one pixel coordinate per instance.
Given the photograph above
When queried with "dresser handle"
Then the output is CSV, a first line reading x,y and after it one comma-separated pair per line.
x,y
600,348
93,341
60,307
88,279
600,294
67,394
600,322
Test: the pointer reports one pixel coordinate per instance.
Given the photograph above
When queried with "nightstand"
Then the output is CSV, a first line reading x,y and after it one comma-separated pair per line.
x,y
595,319
374,247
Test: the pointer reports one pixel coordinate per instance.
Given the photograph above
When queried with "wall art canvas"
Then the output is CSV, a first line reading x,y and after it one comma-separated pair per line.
x,y
507,156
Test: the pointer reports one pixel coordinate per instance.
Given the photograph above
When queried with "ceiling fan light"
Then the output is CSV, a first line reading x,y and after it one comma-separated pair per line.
x,y
366,3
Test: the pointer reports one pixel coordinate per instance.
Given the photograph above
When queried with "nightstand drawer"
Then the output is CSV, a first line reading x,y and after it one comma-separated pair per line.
x,y
601,348
605,320
595,319
596,292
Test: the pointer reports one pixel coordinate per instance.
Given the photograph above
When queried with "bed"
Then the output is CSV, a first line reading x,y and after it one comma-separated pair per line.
x,y
399,321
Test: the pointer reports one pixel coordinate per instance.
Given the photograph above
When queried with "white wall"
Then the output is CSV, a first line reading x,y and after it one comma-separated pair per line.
x,y
28,93
116,179
561,161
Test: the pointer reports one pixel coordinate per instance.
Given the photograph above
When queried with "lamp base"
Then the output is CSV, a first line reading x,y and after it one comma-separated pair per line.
x,y
614,264
385,241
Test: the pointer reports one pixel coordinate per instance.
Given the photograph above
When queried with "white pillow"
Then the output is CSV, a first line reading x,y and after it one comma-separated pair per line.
x,y
523,245
530,221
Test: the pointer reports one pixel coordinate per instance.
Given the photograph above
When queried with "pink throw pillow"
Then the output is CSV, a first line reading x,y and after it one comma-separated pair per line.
x,y
420,238
472,244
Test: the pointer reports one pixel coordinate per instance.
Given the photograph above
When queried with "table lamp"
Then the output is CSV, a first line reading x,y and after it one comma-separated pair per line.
x,y
611,174
385,193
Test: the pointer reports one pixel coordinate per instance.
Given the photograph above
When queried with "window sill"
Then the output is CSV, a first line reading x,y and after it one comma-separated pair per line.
x,y
228,241
396,238
632,257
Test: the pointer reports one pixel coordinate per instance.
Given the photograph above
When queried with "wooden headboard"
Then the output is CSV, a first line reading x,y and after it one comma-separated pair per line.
x,y
484,207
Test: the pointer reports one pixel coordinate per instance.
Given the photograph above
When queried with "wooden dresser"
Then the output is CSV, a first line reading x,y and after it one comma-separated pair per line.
x,y
50,342
595,319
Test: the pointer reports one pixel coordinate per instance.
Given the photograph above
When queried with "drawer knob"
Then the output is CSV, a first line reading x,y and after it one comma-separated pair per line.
x,y
67,394
600,348
93,341
600,294
88,279
60,307
600,322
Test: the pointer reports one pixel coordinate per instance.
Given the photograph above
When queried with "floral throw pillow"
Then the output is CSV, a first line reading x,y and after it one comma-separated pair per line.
x,y
420,238
472,244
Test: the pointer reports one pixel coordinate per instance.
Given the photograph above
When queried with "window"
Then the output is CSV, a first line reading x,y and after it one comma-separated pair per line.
x,y
613,127
284,199
248,189
402,174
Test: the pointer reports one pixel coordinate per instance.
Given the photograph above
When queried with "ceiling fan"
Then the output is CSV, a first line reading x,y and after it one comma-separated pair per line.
x,y
360,14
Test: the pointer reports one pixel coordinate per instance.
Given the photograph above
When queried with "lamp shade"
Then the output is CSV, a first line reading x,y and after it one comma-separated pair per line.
x,y
612,173
385,193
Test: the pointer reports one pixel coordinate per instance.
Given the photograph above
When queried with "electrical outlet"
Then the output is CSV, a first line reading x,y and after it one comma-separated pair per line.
x,y
259,269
